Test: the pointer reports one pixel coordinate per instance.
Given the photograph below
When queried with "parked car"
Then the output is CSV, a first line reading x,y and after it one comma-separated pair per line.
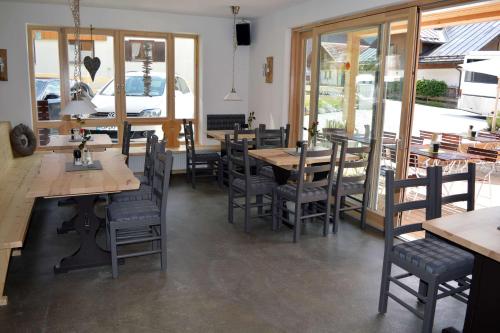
x,y
139,105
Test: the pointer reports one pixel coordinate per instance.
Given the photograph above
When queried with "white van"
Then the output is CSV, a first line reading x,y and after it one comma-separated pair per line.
x,y
477,90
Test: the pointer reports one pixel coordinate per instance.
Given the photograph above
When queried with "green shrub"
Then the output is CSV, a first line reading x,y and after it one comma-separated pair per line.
x,y
431,88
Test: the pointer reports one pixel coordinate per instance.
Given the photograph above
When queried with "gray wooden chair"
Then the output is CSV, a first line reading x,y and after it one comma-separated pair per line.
x,y
436,263
308,189
127,135
198,164
352,180
242,184
145,190
142,221
146,177
268,139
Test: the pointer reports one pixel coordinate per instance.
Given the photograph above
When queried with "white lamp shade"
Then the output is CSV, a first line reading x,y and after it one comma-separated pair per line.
x,y
232,96
79,107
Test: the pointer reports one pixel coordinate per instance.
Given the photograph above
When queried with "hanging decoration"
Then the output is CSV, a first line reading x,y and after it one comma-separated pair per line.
x,y
147,63
93,63
233,96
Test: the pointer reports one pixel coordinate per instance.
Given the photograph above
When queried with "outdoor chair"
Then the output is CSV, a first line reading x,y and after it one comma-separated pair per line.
x,y
308,190
451,138
143,221
487,161
242,184
198,164
436,263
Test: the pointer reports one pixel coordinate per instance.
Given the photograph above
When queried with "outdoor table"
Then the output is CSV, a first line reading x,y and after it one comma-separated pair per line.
x,y
442,154
478,232
63,143
53,181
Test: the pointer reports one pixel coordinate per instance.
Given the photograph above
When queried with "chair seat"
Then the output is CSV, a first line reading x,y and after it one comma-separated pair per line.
x,y
351,188
258,184
310,194
435,256
132,211
143,193
207,157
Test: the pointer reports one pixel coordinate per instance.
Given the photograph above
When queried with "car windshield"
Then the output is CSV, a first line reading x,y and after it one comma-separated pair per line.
x,y
134,86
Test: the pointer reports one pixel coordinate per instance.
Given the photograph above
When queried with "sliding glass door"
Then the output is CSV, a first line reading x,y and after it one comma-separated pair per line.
x,y
361,85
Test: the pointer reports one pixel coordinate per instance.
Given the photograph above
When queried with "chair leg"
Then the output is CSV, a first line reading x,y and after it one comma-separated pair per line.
x,y
336,215
114,254
326,223
230,206
220,173
163,248
260,201
297,223
188,172
247,211
363,211
430,307
193,176
342,205
275,210
384,286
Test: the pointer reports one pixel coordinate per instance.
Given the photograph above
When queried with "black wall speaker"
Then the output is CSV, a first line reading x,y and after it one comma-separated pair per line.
x,y
243,33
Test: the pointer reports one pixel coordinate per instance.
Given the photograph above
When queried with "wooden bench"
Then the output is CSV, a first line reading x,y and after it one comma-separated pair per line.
x,y
15,209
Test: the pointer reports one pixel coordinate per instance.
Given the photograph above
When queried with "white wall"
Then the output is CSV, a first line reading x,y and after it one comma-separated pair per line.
x,y
271,37
449,75
215,51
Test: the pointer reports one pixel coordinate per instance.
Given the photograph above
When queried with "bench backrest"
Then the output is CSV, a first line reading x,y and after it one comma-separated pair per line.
x,y
224,121
6,155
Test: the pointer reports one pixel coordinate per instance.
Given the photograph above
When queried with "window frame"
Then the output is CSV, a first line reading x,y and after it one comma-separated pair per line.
x,y
171,126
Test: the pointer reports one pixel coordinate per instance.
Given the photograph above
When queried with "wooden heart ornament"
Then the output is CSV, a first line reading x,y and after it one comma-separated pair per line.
x,y
92,65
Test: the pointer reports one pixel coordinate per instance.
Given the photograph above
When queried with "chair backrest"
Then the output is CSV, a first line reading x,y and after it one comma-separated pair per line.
x,y
486,155
270,138
148,160
189,139
307,174
238,131
448,146
238,161
417,140
390,153
426,134
287,135
392,208
262,127
468,196
451,138
389,135
224,121
127,134
348,170
488,135
161,179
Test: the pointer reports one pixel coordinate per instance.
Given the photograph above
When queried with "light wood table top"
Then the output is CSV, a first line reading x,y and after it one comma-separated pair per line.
x,y
60,142
220,135
52,179
475,230
282,157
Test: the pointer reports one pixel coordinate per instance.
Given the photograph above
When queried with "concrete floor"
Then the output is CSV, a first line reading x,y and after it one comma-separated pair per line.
x,y
219,279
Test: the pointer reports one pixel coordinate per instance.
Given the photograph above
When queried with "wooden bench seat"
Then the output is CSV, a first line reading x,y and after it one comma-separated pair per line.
x,y
16,175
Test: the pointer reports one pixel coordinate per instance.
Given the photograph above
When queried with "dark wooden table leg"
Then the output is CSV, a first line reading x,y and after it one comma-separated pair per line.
x,y
89,253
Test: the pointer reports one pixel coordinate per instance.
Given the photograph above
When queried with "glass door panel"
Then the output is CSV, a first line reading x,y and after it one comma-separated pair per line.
x,y
347,83
101,88
145,81
185,77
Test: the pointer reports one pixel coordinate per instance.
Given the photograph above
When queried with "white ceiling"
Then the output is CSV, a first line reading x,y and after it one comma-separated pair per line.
x,y
249,8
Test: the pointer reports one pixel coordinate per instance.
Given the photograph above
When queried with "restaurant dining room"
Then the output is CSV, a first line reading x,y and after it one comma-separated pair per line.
x,y
260,166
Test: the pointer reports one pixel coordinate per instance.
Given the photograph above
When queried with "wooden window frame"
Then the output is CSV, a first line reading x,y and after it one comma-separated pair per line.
x,y
171,126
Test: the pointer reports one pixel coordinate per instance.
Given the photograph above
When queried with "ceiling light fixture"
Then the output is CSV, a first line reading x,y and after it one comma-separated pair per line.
x,y
233,96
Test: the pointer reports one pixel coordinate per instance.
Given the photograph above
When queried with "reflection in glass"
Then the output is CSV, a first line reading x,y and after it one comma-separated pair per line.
x,y
184,78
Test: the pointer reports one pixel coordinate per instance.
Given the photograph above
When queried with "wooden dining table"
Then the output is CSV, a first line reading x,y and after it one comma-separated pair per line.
x,y
478,232
220,135
85,187
64,143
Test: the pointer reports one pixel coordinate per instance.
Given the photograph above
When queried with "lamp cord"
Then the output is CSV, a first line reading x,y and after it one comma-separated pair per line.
x,y
235,46
77,73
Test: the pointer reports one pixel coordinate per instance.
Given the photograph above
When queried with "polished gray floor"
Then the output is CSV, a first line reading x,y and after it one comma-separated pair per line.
x,y
219,279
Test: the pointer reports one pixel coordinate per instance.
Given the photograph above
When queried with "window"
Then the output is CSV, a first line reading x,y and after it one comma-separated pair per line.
x,y
479,77
149,79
